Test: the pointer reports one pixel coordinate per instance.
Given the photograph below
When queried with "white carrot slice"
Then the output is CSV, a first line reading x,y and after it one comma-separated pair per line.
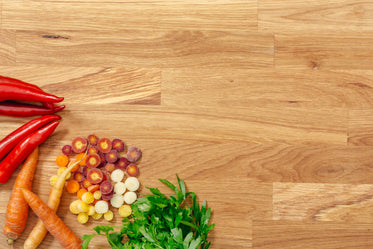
x,y
130,197
132,183
120,188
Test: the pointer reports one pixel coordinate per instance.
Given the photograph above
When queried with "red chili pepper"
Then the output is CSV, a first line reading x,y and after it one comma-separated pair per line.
x,y
9,80
25,110
10,91
4,79
8,143
23,149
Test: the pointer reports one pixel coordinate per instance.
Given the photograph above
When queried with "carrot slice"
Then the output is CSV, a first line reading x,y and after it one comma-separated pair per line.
x,y
62,160
72,186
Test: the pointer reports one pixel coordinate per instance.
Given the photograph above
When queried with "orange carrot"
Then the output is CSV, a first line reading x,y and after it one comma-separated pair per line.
x,y
72,186
62,160
52,222
17,210
39,231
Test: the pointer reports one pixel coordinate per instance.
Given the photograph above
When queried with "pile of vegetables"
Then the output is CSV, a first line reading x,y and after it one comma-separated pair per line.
x,y
103,179
158,221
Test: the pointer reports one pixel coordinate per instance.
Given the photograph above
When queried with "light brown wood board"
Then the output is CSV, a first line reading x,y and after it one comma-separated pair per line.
x,y
263,107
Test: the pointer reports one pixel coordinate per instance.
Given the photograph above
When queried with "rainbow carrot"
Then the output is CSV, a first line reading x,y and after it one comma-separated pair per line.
x,y
67,238
17,210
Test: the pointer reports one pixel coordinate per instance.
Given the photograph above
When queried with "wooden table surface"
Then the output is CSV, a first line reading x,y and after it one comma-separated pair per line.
x,y
263,107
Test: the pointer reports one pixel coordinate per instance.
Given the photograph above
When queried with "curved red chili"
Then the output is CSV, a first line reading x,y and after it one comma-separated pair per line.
x,y
26,110
9,80
23,149
8,143
9,91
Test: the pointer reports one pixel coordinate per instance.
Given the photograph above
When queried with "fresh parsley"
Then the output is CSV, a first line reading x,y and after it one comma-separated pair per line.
x,y
158,221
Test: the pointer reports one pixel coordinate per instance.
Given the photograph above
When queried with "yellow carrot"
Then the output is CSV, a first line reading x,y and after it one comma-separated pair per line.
x,y
17,210
39,231
52,222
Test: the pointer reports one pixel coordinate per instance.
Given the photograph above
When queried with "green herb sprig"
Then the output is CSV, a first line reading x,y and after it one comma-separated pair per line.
x,y
158,221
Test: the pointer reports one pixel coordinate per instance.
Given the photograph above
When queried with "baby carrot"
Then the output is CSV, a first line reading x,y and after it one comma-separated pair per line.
x,y
39,231
17,210
52,222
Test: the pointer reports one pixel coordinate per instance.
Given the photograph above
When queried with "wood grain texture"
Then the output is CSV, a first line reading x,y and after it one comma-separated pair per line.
x,y
360,128
267,88
114,15
159,49
329,51
263,107
297,235
287,125
7,47
322,202
318,16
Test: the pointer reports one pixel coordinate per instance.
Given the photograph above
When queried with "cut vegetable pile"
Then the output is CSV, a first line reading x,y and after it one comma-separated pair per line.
x,y
104,178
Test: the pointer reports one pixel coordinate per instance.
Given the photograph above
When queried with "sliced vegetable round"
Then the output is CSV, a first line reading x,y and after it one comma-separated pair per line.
x,y
83,218
101,207
93,160
95,176
111,156
104,145
109,215
132,183
130,197
120,188
117,200
118,145
74,207
117,175
79,144
92,139
132,170
106,187
125,210
133,154
67,150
